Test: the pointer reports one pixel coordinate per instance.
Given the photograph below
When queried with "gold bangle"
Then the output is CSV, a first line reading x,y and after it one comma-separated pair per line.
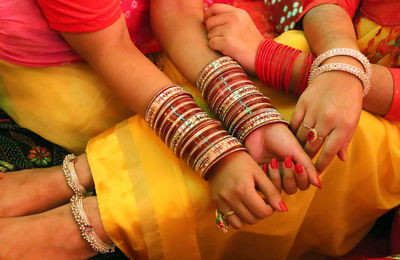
x,y
166,117
182,120
205,140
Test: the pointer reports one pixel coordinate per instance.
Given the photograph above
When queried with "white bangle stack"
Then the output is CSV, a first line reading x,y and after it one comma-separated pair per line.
x,y
86,228
364,76
70,175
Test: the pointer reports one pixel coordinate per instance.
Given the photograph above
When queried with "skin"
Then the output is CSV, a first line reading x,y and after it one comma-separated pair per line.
x,y
237,182
322,106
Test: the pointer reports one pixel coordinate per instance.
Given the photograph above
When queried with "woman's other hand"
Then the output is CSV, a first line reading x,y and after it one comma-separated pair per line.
x,y
238,184
276,145
332,106
232,32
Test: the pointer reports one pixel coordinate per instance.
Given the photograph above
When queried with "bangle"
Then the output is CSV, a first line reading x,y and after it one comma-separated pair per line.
x,y
179,121
215,64
343,52
86,228
215,73
70,175
158,100
346,68
240,105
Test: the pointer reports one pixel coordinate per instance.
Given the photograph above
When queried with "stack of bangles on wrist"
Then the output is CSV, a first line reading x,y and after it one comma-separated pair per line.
x,y
233,97
190,133
274,63
78,212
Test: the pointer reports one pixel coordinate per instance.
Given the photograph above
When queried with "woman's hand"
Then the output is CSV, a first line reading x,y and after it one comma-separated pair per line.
x,y
232,32
332,106
276,145
238,184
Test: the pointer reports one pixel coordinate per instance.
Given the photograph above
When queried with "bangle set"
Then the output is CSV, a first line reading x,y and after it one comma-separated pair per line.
x,y
188,131
364,76
78,212
234,98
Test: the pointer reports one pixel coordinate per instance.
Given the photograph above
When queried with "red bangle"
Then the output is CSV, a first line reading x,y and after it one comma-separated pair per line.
x,y
394,111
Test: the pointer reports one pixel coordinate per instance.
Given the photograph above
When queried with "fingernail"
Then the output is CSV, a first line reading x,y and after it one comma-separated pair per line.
x,y
265,167
283,206
319,183
298,168
274,163
288,162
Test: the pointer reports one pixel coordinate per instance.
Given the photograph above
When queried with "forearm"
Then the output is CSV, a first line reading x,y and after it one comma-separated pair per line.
x,y
125,69
179,29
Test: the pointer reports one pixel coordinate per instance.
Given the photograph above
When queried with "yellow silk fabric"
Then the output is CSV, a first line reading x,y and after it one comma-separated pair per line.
x,y
154,207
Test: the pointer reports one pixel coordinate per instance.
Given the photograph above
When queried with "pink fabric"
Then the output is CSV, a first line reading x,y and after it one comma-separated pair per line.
x,y
26,37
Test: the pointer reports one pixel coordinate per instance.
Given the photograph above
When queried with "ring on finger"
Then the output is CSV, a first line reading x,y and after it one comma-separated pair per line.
x,y
312,134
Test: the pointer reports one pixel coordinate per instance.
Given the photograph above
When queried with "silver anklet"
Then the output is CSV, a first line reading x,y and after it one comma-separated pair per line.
x,y
86,228
70,175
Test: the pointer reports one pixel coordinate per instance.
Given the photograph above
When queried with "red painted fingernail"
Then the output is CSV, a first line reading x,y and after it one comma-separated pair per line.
x,y
298,168
319,183
265,167
274,163
283,206
288,162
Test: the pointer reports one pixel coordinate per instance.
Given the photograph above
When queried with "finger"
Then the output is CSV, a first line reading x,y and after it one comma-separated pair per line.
x,y
271,194
256,205
275,175
219,31
216,43
333,144
297,117
322,130
216,21
289,182
216,9
233,220
343,152
303,131
301,177
300,157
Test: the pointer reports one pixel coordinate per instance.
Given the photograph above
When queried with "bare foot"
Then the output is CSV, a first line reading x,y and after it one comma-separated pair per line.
x,y
36,190
53,234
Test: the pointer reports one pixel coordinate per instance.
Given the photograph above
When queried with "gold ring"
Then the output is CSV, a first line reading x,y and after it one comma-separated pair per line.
x,y
229,213
312,134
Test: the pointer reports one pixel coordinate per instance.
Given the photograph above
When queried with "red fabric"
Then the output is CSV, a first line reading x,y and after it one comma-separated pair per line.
x,y
383,12
80,16
349,5
394,112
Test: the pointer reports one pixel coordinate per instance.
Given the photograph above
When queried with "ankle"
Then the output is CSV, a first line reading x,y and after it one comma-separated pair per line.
x,y
83,172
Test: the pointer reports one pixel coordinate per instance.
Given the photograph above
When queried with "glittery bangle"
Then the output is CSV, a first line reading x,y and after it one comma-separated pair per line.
x,y
174,108
248,110
233,97
343,52
215,64
196,133
216,73
160,114
190,123
241,104
70,175
215,152
86,228
232,77
198,146
158,101
257,122
346,68
244,120
181,119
